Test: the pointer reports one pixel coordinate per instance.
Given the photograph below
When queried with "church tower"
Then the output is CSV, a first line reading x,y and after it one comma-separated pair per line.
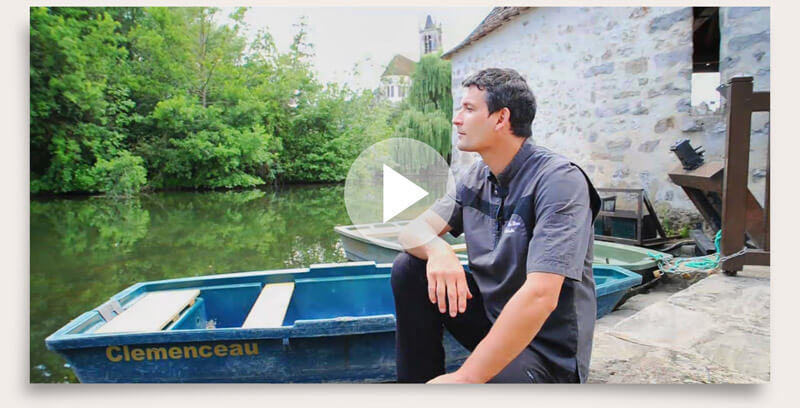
x,y
430,38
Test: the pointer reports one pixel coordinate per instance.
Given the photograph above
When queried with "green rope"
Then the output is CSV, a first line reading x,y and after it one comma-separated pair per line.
x,y
704,263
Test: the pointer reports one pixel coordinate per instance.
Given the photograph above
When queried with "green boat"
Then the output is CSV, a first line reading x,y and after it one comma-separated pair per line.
x,y
378,243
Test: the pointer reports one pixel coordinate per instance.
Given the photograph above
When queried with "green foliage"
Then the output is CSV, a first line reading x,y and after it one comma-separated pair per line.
x,y
189,145
428,113
329,132
169,98
77,104
432,128
671,228
124,175
431,86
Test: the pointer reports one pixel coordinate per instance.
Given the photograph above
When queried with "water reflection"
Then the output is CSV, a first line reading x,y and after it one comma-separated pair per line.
x,y
85,250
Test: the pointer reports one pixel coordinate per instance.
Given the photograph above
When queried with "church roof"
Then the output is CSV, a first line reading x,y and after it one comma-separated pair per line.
x,y
399,65
496,18
428,23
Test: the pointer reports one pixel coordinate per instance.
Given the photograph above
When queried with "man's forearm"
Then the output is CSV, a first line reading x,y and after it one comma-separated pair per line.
x,y
436,245
515,328
416,233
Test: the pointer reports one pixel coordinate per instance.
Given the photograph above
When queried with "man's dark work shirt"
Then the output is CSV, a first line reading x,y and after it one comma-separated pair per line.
x,y
535,216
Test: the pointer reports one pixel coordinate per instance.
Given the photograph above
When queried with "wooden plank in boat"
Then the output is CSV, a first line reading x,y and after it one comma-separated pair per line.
x,y
269,310
153,312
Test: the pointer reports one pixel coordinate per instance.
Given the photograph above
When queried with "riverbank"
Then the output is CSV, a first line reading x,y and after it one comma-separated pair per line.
x,y
716,330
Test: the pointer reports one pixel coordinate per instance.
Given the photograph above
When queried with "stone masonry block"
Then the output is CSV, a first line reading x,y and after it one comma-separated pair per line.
x,y
648,146
636,66
739,12
690,124
666,21
664,124
744,41
618,146
669,59
596,70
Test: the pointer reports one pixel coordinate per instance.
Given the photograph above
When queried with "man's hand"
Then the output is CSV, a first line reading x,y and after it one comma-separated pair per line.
x,y
447,282
453,378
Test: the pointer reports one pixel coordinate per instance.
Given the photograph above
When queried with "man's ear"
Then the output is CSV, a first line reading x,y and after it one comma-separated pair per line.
x,y
503,118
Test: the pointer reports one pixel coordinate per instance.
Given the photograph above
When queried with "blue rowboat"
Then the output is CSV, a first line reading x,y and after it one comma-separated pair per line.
x,y
326,323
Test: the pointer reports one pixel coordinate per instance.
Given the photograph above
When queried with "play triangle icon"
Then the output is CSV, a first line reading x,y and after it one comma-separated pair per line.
x,y
399,193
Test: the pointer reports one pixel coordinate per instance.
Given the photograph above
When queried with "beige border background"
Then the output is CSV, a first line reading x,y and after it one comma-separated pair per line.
x,y
14,346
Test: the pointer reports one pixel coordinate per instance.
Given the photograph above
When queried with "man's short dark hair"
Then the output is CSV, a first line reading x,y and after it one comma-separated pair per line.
x,y
506,88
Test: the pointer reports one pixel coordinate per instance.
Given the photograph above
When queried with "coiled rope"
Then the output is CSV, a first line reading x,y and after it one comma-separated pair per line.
x,y
682,266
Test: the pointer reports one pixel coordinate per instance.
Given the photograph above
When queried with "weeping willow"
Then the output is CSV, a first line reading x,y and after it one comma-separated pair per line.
x,y
431,86
432,128
430,106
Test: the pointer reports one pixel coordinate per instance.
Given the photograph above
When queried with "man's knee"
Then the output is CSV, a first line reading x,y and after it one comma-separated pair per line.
x,y
406,270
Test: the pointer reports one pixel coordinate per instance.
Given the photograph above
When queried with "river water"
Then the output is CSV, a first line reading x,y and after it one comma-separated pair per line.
x,y
83,250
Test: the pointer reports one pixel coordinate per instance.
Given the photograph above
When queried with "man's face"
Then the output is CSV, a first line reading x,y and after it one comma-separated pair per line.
x,y
476,128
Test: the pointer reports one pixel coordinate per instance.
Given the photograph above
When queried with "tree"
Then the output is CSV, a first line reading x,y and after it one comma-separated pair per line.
x,y
431,89
429,111
169,98
79,105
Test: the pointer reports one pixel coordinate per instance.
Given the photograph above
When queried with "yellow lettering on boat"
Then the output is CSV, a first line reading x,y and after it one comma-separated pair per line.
x,y
111,358
156,353
116,354
187,350
251,348
137,354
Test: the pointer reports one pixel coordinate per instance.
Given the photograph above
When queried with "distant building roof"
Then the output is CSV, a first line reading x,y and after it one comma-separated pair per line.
x,y
496,18
428,23
399,65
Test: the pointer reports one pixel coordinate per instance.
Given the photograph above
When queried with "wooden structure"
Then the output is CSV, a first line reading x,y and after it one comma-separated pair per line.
x,y
152,312
270,307
719,189
647,229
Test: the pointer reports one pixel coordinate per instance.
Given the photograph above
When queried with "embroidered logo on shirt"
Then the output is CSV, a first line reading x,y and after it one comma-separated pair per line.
x,y
512,226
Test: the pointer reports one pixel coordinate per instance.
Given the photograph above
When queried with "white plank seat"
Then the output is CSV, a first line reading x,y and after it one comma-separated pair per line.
x,y
269,310
152,312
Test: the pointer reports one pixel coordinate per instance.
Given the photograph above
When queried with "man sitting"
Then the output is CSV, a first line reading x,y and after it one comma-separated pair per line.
x,y
527,309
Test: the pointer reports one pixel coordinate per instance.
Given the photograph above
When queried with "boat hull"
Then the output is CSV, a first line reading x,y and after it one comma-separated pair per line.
x,y
339,327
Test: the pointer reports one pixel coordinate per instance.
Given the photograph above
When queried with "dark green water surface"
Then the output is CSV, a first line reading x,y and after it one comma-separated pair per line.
x,y
83,250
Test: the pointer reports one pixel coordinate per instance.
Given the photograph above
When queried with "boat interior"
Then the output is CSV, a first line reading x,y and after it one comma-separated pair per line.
x,y
251,305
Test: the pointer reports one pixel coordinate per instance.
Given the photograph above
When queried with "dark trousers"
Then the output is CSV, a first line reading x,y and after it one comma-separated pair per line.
x,y
420,325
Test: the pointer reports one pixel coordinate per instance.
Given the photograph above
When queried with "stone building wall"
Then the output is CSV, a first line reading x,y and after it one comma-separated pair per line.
x,y
613,87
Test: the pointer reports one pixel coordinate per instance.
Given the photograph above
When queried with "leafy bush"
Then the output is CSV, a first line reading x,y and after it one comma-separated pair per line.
x,y
123,175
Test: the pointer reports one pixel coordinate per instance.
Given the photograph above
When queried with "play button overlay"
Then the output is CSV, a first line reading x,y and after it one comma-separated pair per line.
x,y
393,182
399,193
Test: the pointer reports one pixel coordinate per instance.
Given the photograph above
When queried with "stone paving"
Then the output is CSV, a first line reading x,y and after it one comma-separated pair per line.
x,y
716,330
